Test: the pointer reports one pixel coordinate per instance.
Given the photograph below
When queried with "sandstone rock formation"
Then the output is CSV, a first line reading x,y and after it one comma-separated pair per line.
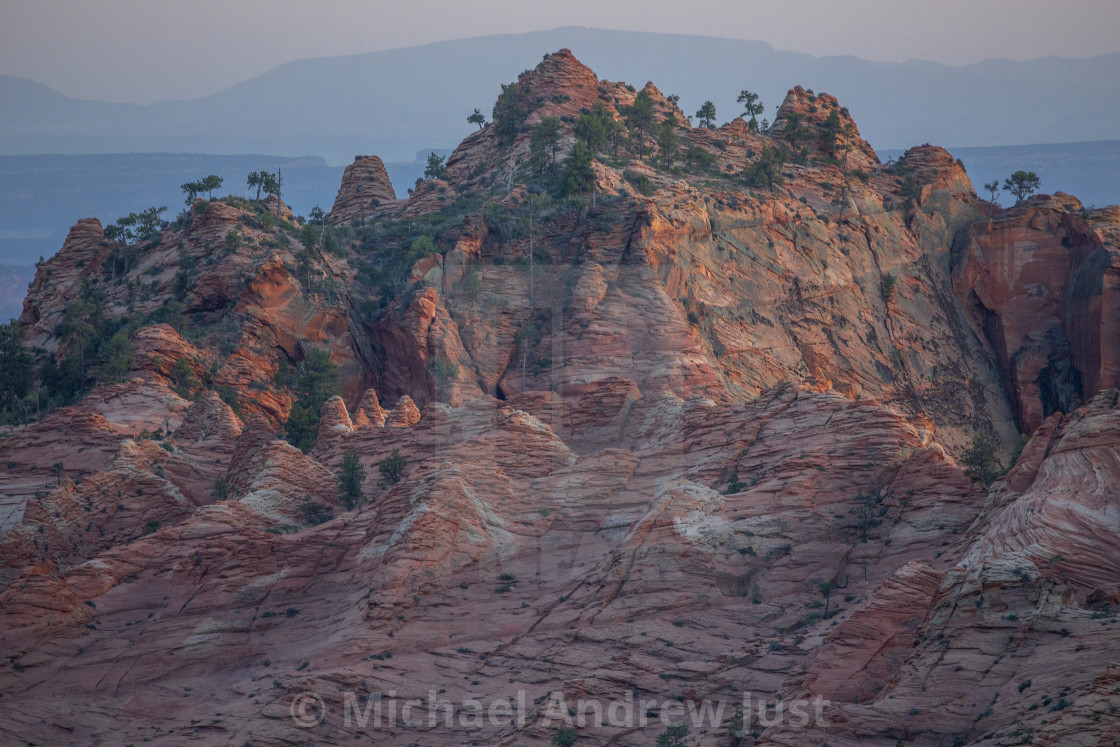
x,y
680,439
1039,283
365,190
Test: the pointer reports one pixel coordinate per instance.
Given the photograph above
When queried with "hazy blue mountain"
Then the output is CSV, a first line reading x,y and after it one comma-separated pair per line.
x,y
42,196
14,280
396,102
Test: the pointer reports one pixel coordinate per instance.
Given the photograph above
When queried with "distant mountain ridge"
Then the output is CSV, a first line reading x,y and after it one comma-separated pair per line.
x,y
14,280
42,196
340,106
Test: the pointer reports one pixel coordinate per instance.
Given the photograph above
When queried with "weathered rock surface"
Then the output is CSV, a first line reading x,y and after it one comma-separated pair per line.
x,y
59,280
682,441
1039,283
365,191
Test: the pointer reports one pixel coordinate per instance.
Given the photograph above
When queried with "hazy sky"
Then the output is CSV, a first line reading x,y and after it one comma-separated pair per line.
x,y
141,50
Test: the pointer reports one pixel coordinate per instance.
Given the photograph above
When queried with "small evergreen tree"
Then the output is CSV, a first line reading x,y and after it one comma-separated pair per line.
x,y
826,591
992,188
182,377
118,357
191,190
579,176
640,119
766,171
981,465
798,134
392,468
209,184
350,480
316,382
1022,184
909,192
508,115
698,158
830,133
435,168
149,223
598,128
675,735
543,144
707,115
889,282
752,107
477,118
736,727
270,184
136,227
667,141
15,367
315,513
299,429
734,484
256,179
565,736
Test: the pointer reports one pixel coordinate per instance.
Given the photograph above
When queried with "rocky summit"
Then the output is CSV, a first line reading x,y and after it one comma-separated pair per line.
x,y
616,430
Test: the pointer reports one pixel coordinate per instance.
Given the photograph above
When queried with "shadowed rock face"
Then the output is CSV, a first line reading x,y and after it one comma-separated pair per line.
x,y
682,440
1039,283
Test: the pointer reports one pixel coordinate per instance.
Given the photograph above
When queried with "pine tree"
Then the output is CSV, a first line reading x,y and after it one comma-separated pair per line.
x,y
981,465
1022,184
435,168
350,480
579,176
640,118
15,367
707,115
209,184
752,107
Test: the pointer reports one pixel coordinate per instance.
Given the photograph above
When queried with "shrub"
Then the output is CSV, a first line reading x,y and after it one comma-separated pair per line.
x,y
507,114
642,183
578,175
229,395
392,468
472,281
435,168
565,736
152,525
675,735
766,171
980,461
889,282
316,382
182,378
315,513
